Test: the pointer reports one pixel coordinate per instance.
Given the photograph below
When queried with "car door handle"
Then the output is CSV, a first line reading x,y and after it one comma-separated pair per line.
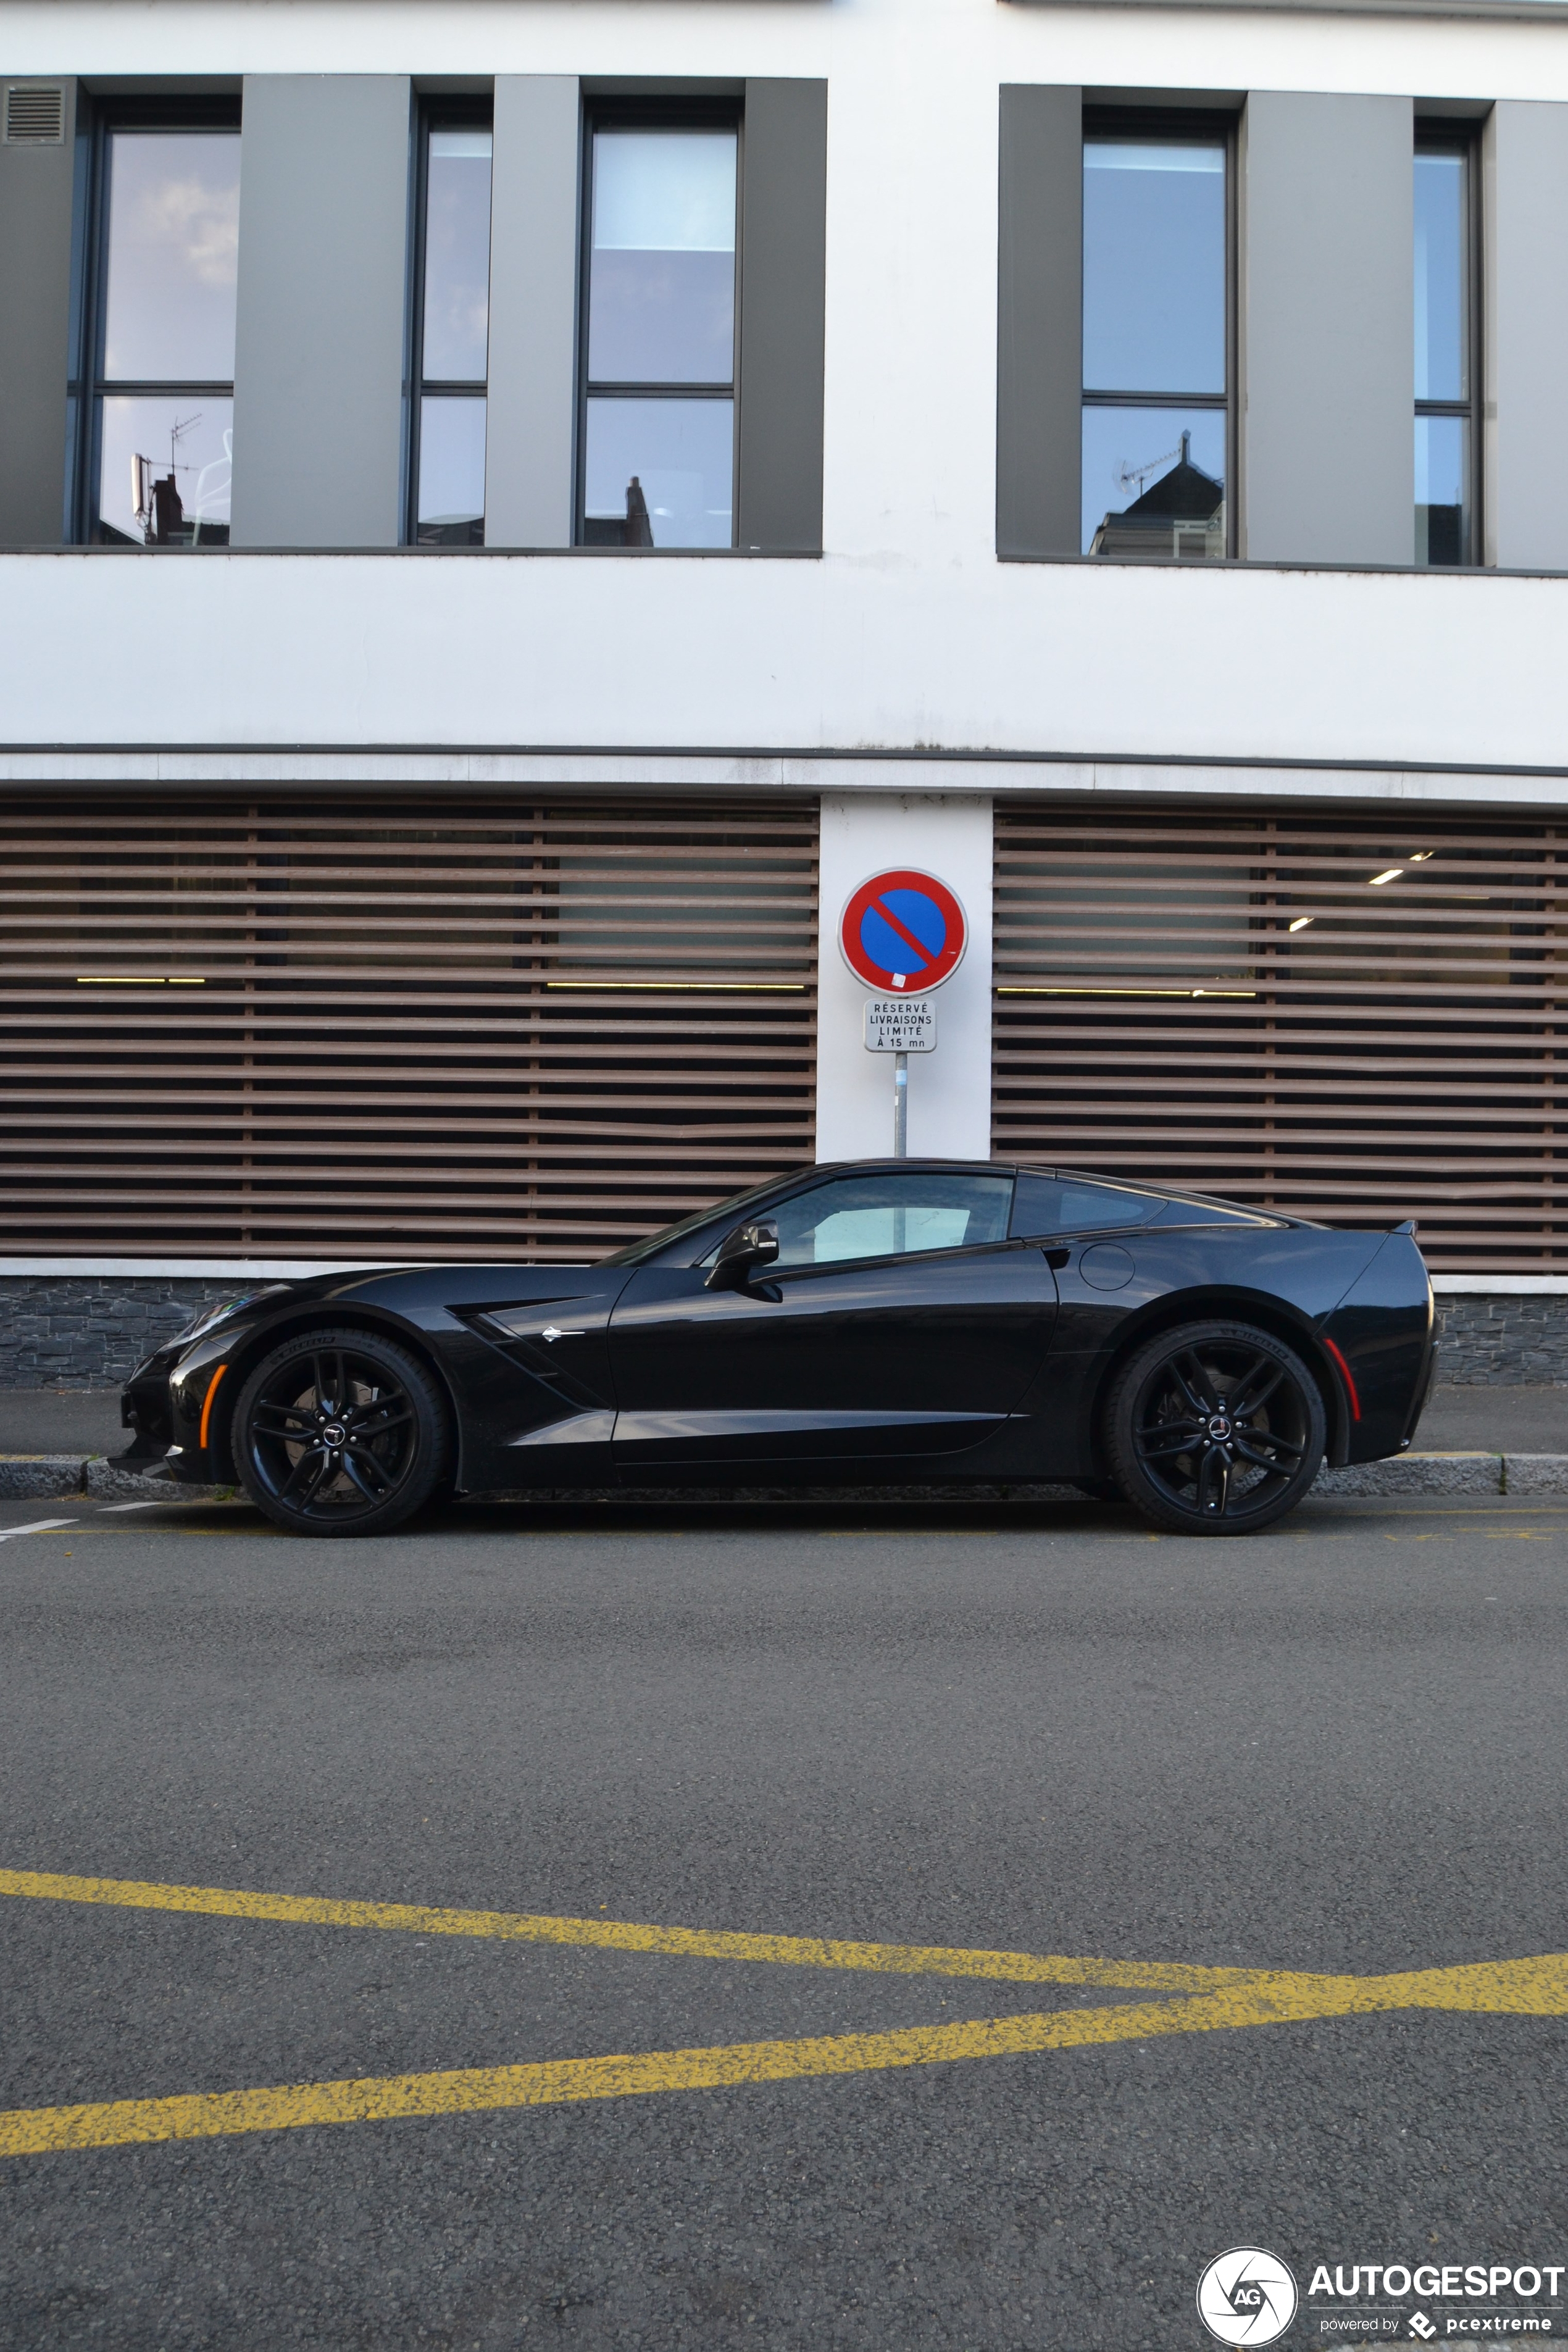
x,y
553,1333
1056,1258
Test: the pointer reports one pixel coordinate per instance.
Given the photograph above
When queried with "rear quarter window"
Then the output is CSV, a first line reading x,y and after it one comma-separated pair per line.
x,y
1205,1212
1066,1204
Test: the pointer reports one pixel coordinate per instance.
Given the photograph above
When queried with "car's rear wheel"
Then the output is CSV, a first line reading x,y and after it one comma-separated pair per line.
x,y
341,1433
1215,1429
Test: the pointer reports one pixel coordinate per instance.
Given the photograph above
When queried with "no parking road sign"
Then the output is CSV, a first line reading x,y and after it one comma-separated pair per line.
x,y
902,930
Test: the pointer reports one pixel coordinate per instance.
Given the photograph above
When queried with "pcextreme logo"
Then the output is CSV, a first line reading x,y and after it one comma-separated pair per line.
x,y
1247,2296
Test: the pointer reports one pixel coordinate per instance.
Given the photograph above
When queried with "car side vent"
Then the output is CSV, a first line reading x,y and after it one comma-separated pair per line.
x,y
34,114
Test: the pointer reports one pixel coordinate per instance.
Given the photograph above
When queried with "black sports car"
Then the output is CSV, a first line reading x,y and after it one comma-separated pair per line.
x,y
889,1320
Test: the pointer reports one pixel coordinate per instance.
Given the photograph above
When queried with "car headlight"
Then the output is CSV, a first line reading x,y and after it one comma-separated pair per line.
x,y
210,1317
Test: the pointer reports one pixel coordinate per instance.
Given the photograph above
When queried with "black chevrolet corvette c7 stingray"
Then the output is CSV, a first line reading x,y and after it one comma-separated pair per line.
x,y
889,1320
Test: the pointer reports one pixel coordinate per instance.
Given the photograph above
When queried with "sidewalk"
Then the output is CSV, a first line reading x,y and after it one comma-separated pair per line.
x,y
83,1422
1495,1421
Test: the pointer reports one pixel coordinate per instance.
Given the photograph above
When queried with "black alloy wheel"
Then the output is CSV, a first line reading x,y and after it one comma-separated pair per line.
x,y
1215,1429
341,1433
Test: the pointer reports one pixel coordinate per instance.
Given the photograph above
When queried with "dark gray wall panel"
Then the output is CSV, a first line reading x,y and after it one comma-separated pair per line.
x,y
323,234
1327,327
35,187
1525,210
783,267
528,438
1039,322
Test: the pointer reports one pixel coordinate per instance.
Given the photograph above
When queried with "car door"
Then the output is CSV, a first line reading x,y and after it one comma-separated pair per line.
x,y
898,1320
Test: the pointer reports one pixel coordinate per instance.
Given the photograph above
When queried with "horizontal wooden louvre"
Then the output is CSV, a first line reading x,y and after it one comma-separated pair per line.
x,y
423,1033
1359,1019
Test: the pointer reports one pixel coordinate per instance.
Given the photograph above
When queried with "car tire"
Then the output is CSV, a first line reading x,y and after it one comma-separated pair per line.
x,y
1252,1418
341,1433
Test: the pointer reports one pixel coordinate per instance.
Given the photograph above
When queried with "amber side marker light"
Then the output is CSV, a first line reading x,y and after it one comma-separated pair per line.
x,y
212,1391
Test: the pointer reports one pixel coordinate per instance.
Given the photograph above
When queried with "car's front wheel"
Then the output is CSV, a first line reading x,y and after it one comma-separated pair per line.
x,y
341,1433
1215,1429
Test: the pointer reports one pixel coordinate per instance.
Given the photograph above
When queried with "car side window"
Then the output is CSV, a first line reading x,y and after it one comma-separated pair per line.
x,y
1066,1204
891,1214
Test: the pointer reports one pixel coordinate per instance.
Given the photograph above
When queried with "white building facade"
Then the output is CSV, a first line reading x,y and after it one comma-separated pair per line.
x,y
509,513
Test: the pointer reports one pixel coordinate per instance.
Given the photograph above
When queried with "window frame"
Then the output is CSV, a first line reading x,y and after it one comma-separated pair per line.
x,y
440,113
1436,135
719,113
791,1269
86,387
1195,126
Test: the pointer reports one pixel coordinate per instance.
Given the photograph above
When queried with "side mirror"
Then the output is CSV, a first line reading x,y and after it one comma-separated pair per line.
x,y
747,1246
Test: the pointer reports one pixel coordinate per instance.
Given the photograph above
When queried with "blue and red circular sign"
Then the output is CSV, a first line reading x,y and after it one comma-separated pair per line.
x,y
903,932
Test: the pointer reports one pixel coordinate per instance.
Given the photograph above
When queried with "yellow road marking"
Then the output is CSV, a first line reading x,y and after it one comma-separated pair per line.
x,y
1510,1510
1219,1999
1533,1988
626,1935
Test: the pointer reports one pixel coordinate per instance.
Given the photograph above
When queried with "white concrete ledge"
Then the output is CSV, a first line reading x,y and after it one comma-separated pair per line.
x,y
199,1269
278,1269
501,772
924,657
1513,1284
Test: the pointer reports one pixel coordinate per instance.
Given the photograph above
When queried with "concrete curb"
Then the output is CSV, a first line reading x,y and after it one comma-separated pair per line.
x,y
1451,1473
107,1478
1422,1474
25,1475
23,1478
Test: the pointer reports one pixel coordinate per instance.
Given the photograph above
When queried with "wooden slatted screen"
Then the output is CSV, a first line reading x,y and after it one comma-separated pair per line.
x,y
1357,1018
414,1033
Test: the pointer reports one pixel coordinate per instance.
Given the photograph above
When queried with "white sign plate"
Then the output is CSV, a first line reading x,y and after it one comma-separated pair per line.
x,y
901,1025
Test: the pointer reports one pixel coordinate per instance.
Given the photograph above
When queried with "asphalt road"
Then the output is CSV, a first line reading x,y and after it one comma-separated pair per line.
x,y
1336,1749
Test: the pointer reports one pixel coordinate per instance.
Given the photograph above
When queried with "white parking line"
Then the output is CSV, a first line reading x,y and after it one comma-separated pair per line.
x,y
160,1503
35,1528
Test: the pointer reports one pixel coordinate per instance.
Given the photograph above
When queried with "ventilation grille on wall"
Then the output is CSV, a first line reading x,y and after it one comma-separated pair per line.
x,y
434,1031
34,114
1357,1017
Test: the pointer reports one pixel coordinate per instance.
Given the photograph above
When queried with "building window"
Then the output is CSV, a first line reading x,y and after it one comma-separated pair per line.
x,y
657,464
452,326
1446,368
161,333
1156,343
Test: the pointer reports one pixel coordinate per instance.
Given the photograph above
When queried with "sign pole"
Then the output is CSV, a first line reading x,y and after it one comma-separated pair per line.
x,y
902,933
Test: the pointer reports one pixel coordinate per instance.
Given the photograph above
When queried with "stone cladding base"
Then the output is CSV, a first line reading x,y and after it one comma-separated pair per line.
x,y
64,1331
88,1331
